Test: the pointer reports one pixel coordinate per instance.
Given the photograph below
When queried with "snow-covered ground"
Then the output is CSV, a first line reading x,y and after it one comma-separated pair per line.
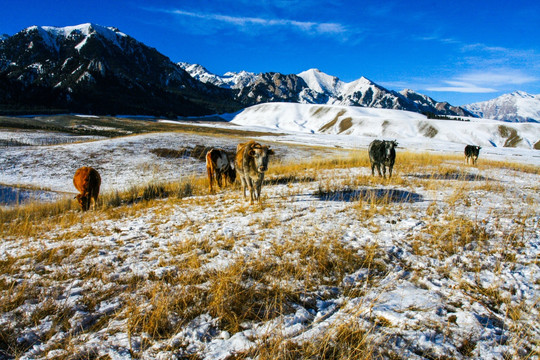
x,y
122,162
427,265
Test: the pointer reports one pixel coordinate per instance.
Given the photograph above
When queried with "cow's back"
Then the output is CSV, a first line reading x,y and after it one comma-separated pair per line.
x,y
217,159
375,151
87,180
242,156
81,179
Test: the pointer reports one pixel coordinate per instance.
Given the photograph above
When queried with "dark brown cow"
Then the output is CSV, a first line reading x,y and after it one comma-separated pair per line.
x,y
218,165
251,162
87,181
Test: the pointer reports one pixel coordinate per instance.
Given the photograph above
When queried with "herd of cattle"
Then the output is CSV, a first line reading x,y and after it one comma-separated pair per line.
x,y
250,164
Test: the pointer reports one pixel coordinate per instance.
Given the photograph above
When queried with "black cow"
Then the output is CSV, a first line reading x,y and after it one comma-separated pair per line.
x,y
472,152
382,152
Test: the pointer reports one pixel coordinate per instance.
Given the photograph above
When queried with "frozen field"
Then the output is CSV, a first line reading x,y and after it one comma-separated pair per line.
x,y
439,262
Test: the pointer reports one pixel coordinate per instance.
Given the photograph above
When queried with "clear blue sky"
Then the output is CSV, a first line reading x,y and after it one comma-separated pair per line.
x,y
457,51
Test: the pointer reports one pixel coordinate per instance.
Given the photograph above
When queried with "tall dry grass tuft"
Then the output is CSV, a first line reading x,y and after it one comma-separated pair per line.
x,y
450,237
347,340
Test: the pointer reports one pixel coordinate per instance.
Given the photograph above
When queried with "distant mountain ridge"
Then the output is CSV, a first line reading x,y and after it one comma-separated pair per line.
x,y
316,87
90,68
94,69
518,106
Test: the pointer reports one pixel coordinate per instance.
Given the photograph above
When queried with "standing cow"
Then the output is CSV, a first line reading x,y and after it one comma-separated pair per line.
x,y
251,162
382,152
87,181
218,165
472,152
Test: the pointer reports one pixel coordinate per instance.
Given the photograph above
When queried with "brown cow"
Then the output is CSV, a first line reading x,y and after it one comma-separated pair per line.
x,y
251,162
87,181
218,164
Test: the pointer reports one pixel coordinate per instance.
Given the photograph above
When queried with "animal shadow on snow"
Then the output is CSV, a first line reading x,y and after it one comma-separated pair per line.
x,y
390,195
450,176
287,179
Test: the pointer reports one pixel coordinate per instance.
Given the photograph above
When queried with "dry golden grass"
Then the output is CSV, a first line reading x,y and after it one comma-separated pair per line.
x,y
28,220
31,220
345,341
508,165
296,269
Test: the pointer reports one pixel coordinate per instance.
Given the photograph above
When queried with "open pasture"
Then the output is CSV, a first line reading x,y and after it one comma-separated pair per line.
x,y
440,261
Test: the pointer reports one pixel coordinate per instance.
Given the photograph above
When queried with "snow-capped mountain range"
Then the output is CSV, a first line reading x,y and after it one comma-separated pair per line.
x,y
95,69
316,87
518,106
321,88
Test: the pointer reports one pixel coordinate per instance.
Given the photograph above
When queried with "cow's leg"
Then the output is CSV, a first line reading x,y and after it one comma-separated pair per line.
x,y
384,171
379,169
372,169
251,190
244,184
210,178
390,171
218,178
258,185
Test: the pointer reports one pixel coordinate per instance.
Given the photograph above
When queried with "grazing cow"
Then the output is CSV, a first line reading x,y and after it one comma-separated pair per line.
x,y
472,152
218,165
251,162
382,152
87,181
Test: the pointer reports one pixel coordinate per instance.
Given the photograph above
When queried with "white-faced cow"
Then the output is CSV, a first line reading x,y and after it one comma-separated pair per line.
x,y
382,152
87,181
472,152
251,162
218,165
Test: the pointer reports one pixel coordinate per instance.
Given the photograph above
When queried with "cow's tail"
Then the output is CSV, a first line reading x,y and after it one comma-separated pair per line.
x,y
210,168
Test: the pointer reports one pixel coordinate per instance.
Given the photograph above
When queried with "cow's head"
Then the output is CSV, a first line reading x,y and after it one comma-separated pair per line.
x,y
84,201
389,147
260,155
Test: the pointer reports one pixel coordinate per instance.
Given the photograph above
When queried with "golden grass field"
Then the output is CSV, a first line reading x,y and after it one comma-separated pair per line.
x,y
167,270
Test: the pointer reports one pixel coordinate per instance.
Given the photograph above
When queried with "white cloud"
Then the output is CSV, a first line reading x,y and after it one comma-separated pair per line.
x,y
487,81
498,77
246,23
461,87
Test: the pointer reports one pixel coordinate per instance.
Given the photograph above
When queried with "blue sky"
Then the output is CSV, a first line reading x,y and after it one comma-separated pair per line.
x,y
456,51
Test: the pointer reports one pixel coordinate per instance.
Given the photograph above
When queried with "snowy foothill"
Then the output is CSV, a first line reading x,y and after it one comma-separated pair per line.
x,y
356,127
441,261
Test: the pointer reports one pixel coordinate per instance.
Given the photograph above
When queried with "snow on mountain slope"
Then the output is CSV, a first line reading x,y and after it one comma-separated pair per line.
x,y
407,127
52,35
518,106
321,82
230,80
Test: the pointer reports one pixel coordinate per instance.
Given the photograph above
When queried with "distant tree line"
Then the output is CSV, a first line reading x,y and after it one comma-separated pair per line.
x,y
431,115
